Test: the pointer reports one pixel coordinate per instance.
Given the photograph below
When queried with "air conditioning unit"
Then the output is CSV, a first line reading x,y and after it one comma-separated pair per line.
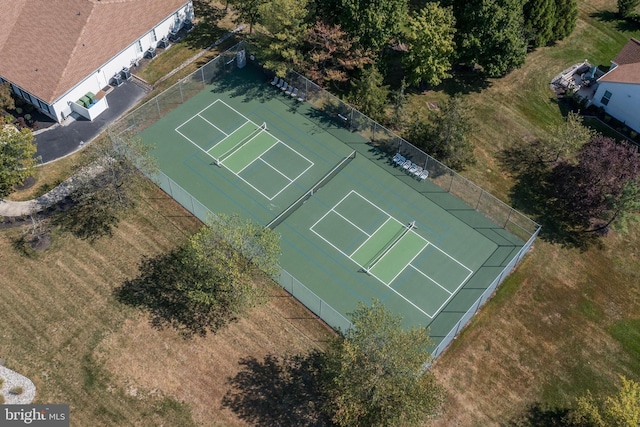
x,y
150,53
125,74
116,80
163,43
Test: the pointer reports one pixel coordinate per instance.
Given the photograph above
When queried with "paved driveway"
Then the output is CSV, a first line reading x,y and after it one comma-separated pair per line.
x,y
61,140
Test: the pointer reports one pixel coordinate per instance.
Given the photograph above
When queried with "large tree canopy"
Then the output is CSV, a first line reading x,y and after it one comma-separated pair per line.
x,y
430,42
333,54
372,22
210,280
489,33
591,190
16,157
377,372
446,135
620,410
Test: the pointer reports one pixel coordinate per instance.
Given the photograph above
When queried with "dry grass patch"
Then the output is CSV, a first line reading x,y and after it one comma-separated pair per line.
x,y
63,328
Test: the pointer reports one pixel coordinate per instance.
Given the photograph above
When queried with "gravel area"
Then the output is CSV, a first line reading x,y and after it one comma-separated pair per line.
x,y
13,379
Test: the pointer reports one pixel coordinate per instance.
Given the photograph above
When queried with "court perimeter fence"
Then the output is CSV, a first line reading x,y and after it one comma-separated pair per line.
x,y
381,138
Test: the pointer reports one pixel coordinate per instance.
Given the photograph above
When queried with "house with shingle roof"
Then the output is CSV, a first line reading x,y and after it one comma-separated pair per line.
x,y
618,91
59,55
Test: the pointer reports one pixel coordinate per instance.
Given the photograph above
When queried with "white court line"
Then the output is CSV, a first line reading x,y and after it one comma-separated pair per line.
x,y
409,264
205,119
427,276
234,110
200,148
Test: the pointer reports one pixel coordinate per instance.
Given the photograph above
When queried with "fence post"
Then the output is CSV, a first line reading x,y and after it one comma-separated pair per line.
x,y
158,106
180,86
479,198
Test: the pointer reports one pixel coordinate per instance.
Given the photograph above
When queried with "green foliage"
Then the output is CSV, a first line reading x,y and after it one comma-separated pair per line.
x,y
210,280
566,140
285,23
490,34
369,94
566,18
539,21
17,163
113,171
248,11
445,136
6,100
619,410
372,22
625,209
431,46
377,372
626,8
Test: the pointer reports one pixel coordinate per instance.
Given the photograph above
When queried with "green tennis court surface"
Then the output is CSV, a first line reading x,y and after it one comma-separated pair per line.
x,y
242,146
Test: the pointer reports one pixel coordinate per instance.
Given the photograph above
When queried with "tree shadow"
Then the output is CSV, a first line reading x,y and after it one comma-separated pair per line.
x,y
535,194
464,80
280,391
536,415
621,24
207,31
159,289
87,220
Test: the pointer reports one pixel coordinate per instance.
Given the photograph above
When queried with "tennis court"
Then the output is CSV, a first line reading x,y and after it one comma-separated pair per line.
x,y
353,230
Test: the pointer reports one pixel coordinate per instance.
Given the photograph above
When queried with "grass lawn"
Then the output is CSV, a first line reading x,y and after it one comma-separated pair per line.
x,y
63,329
566,320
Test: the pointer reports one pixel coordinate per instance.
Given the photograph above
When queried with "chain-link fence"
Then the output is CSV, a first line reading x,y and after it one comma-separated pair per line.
x,y
383,139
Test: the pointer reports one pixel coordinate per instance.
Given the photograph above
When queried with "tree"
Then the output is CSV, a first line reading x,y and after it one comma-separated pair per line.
x,y
620,410
595,191
626,8
285,22
431,46
113,169
566,139
369,94
445,136
333,54
17,162
566,18
489,33
372,22
539,20
399,105
6,100
210,280
248,11
377,372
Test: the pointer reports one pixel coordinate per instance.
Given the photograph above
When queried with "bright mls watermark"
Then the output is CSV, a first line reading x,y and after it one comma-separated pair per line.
x,y
34,415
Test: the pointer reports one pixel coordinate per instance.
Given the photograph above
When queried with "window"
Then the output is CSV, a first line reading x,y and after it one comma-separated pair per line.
x,y
139,46
154,37
25,95
43,106
606,97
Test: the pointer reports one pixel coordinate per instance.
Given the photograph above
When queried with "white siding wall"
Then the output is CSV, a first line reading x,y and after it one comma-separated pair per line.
x,y
624,103
102,77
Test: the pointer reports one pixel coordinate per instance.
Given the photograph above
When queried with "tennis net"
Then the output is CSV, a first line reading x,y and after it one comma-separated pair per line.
x,y
321,182
261,128
385,250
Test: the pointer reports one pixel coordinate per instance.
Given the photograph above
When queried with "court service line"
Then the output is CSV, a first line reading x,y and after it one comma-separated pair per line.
x,y
427,276
408,264
204,118
236,111
292,181
200,148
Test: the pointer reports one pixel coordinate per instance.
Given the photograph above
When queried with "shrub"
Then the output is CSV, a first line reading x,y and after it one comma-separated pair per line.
x,y
17,390
19,110
1,382
1,399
